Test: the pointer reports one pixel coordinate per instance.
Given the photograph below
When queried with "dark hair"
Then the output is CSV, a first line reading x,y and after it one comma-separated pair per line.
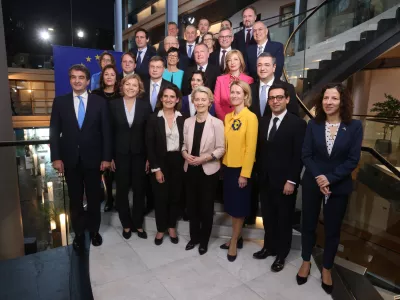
x,y
130,54
178,94
249,7
267,54
276,86
142,30
109,54
79,67
157,58
202,18
230,23
172,23
203,76
173,50
102,83
346,103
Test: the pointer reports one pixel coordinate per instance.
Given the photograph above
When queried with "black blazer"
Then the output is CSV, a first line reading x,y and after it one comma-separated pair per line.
x,y
156,140
89,145
161,50
240,41
274,48
129,140
183,53
143,69
292,107
146,82
279,160
212,72
338,166
214,57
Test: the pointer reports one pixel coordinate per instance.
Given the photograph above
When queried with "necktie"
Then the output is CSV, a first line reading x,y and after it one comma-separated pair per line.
x,y
190,51
139,59
248,37
154,95
263,99
222,62
81,112
201,68
260,50
273,130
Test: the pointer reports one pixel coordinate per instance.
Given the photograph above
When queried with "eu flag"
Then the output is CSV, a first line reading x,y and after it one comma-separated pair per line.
x,y
64,57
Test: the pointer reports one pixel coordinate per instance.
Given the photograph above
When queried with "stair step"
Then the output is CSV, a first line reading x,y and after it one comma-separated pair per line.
x,y
325,64
386,24
368,35
398,14
338,54
353,45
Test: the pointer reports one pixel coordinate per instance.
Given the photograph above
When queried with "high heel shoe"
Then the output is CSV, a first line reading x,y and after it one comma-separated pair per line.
x,y
126,234
142,234
326,287
157,241
239,244
302,280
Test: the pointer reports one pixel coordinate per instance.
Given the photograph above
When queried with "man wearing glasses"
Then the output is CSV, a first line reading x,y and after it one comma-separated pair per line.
x,y
225,40
173,42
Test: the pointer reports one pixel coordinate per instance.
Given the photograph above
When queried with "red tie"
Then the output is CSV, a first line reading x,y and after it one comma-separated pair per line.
x,y
248,37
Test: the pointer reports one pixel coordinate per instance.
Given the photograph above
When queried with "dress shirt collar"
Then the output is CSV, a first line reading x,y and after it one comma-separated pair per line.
x,y
161,113
262,45
193,44
126,74
227,50
269,83
143,50
204,67
158,82
84,95
245,32
280,117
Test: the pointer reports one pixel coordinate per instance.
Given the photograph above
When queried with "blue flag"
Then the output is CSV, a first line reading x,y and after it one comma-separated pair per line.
x,y
64,57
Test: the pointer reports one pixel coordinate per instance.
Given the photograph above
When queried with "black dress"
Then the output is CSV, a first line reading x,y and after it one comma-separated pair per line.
x,y
108,96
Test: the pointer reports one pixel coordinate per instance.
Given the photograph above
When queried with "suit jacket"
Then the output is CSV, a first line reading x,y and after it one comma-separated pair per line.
x,y
185,110
161,49
89,145
146,82
129,140
338,166
240,41
212,141
143,69
222,94
292,107
279,160
274,48
212,72
156,140
214,58
183,53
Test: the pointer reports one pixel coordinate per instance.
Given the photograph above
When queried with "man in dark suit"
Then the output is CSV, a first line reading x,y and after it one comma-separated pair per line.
x,y
280,141
80,144
225,39
128,65
143,52
201,56
203,26
263,45
244,37
187,48
173,30
171,41
266,67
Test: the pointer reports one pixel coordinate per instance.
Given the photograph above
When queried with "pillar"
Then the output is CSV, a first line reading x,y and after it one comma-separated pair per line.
x,y
11,233
118,25
171,13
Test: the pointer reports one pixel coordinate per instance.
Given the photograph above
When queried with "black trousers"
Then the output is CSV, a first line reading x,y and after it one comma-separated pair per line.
x,y
255,194
149,193
334,211
80,180
200,194
167,195
108,180
130,173
277,211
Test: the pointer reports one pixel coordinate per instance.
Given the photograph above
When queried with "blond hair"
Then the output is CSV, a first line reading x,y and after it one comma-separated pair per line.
x,y
241,59
129,77
203,89
246,90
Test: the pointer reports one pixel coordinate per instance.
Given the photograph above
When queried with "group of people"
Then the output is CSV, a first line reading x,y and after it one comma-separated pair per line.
x,y
170,126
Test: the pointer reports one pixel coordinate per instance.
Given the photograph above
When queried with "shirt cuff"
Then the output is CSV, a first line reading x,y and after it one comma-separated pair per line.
x,y
155,170
291,182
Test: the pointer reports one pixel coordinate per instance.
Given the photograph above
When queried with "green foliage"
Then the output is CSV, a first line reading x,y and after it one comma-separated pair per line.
x,y
390,108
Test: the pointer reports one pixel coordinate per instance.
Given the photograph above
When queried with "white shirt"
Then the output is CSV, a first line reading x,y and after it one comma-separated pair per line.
x,y
126,74
269,83
76,102
220,53
130,115
192,109
151,86
204,67
245,33
142,55
187,47
200,38
262,46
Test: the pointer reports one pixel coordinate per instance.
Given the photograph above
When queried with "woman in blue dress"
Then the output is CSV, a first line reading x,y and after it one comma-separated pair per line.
x,y
172,73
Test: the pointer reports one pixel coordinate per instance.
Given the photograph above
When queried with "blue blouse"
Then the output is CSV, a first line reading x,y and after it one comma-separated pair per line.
x,y
174,77
95,81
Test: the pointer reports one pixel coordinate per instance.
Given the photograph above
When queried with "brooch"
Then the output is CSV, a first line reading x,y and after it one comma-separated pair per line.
x,y
236,124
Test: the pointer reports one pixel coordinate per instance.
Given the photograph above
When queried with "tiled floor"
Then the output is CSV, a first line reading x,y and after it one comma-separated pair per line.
x,y
137,269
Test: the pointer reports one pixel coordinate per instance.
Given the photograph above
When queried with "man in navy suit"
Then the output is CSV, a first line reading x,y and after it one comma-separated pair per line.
x,y
225,39
80,144
263,45
173,31
143,53
244,37
171,41
188,47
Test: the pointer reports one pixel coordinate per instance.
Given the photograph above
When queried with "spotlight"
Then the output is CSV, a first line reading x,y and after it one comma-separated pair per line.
x,y
44,35
80,34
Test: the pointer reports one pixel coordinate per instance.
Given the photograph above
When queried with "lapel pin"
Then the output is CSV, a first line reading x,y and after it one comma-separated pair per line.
x,y
344,128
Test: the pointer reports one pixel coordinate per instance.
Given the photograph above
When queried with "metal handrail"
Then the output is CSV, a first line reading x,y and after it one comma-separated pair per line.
x,y
23,143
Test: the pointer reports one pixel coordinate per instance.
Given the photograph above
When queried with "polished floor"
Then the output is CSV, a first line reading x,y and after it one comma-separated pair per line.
x,y
138,269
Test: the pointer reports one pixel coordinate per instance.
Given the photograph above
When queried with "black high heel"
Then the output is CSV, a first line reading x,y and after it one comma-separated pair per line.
x,y
239,244
326,287
302,280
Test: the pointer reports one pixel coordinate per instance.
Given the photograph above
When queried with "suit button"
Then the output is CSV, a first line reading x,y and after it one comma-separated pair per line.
x,y
78,146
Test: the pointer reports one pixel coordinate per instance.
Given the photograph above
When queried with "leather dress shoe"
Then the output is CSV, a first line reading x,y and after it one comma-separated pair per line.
x,y
96,238
239,244
174,240
278,264
203,249
109,205
157,241
126,235
263,253
326,287
190,245
302,280
142,234
79,242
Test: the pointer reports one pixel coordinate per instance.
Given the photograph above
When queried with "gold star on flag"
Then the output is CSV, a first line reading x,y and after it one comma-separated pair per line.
x,y
88,59
97,57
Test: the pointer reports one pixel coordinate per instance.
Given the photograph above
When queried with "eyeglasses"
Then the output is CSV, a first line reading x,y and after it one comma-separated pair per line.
x,y
173,56
207,40
279,98
225,37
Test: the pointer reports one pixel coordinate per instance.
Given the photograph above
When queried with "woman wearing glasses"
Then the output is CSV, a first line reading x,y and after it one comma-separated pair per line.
x,y
172,73
208,39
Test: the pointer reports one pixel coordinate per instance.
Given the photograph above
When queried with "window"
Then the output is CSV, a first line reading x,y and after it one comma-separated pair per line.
x,y
286,12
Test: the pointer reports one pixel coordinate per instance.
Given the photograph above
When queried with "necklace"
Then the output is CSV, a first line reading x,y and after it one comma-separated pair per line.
x,y
108,95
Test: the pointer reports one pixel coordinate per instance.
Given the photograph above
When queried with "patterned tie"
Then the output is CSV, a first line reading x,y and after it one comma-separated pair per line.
x,y
81,112
222,62
190,51
139,59
273,129
248,37
201,68
260,50
154,95
263,99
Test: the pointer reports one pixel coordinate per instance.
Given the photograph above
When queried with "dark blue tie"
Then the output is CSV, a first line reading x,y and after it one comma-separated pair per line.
x,y
139,59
